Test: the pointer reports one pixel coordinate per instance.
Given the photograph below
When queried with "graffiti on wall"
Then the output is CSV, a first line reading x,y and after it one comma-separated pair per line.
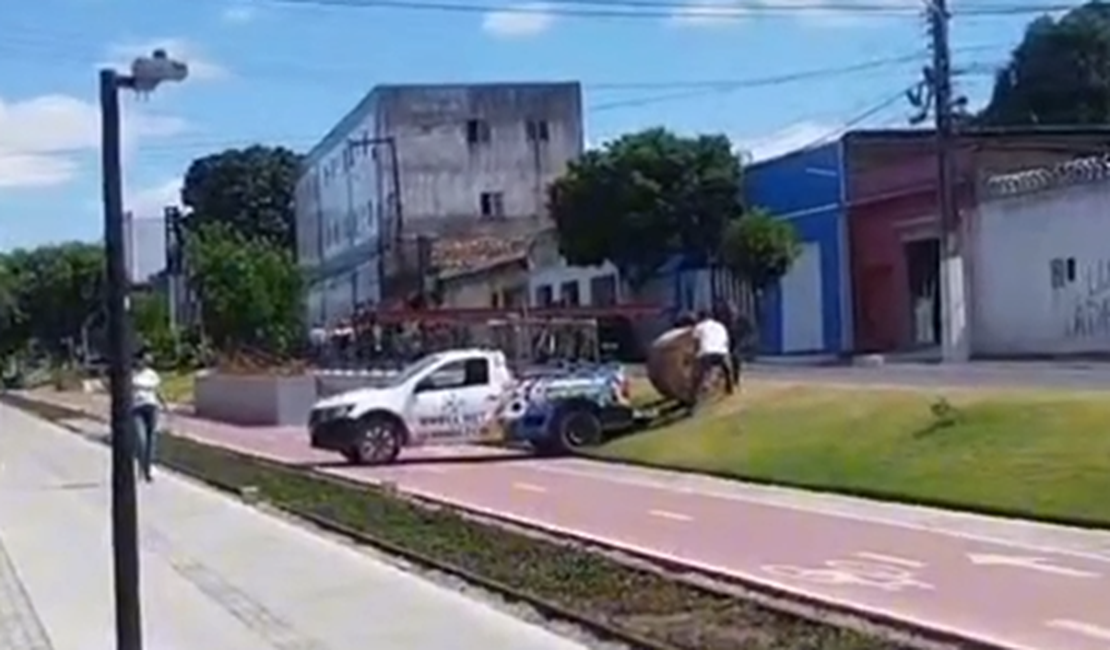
x,y
1089,289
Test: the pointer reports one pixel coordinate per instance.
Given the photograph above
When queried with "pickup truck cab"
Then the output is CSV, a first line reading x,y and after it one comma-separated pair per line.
x,y
466,396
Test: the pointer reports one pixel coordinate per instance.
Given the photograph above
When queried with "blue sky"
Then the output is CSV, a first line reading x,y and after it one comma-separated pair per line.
x,y
281,73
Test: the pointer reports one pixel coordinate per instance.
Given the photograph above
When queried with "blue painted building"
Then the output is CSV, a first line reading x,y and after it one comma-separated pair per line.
x,y
809,312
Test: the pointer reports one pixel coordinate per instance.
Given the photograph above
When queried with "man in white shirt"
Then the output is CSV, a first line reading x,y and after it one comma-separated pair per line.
x,y
146,401
714,351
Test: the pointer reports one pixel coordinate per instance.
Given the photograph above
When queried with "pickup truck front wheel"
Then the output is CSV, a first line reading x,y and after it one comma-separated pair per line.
x,y
379,442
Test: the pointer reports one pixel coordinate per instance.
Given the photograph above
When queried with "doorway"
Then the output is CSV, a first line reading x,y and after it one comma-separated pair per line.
x,y
923,275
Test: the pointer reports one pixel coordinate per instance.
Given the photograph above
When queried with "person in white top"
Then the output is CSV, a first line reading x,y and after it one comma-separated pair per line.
x,y
146,401
714,351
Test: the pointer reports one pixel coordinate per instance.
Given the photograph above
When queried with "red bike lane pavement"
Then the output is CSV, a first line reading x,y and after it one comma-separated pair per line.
x,y
996,593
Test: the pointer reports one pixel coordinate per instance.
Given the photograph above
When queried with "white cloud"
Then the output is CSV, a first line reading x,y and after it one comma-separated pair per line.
x,y
149,202
791,138
519,21
42,137
238,14
707,13
201,68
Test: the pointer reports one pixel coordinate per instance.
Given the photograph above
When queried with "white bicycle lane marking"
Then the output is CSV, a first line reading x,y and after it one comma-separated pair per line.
x,y
868,572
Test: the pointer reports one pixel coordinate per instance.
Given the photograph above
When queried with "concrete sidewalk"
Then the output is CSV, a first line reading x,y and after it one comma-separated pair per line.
x,y
217,574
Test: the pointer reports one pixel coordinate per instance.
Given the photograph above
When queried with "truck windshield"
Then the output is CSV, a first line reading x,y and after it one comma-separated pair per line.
x,y
414,369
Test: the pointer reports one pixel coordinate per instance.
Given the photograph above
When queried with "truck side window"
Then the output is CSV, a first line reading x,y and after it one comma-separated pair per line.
x,y
460,374
477,372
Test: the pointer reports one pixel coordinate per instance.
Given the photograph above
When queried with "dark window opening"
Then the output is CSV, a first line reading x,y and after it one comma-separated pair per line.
x,y
603,291
492,204
477,132
537,131
568,294
544,295
1062,271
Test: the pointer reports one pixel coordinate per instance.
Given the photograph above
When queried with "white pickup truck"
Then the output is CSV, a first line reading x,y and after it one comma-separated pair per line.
x,y
466,396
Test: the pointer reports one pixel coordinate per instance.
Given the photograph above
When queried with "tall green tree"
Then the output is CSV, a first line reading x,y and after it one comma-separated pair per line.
x,y
12,336
759,249
645,197
150,313
251,190
56,290
250,290
1058,75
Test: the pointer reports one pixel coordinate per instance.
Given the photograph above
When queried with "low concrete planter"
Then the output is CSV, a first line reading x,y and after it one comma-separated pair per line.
x,y
254,400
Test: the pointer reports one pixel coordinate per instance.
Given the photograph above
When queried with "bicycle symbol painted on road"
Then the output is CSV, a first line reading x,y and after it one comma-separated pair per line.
x,y
857,573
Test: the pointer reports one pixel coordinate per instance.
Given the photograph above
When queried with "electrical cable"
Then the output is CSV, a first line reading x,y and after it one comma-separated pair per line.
x,y
696,89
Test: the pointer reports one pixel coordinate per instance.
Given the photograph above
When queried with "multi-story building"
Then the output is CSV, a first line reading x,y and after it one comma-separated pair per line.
x,y
426,159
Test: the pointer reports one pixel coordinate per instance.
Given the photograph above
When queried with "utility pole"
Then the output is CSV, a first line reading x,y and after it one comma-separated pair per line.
x,y
174,262
395,208
146,74
954,343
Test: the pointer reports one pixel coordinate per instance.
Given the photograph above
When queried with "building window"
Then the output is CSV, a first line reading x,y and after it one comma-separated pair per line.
x,y
537,131
603,291
568,294
544,296
492,204
477,132
1061,271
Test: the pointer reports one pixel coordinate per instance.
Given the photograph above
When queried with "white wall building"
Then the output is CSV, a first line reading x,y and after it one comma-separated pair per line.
x,y
1040,262
551,280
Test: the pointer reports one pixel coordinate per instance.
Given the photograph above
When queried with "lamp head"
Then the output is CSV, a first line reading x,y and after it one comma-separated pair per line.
x,y
148,72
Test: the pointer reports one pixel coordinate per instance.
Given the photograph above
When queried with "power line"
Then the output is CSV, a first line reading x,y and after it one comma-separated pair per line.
x,y
633,9
871,111
60,46
696,89
1010,9
772,80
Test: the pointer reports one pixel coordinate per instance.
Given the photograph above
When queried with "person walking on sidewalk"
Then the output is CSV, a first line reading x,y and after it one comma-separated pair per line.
x,y
147,401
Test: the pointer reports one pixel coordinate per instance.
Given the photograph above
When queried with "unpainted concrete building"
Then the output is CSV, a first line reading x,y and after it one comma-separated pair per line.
x,y
426,159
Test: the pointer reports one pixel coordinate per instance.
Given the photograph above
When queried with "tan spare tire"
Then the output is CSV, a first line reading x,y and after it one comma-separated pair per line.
x,y
670,366
670,363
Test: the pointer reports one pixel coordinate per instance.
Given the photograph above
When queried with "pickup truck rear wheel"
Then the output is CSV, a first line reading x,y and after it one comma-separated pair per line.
x,y
379,443
574,427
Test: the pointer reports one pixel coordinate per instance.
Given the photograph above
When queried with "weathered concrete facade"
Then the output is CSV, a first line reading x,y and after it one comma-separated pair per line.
x,y
480,151
460,155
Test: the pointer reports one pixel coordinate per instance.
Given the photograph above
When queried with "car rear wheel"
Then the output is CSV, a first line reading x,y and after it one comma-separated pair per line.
x,y
574,427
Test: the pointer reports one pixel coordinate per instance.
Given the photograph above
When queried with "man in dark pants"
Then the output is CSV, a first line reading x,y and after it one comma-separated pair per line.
x,y
714,351
737,326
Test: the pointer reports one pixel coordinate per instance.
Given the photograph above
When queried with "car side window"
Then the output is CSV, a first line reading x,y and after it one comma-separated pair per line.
x,y
458,374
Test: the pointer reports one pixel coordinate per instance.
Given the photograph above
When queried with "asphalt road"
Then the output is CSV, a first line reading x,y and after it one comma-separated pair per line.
x,y
988,589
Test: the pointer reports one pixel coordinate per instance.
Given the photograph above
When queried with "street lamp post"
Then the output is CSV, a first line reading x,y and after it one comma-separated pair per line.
x,y
146,74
